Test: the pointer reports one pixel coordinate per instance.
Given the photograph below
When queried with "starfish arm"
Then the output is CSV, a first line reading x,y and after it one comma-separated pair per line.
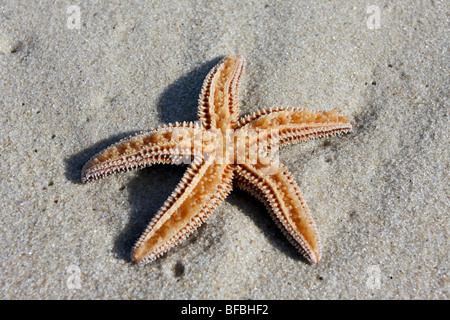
x,y
292,125
283,199
218,102
203,187
163,145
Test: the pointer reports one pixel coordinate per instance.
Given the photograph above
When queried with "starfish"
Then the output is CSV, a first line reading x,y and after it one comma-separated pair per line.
x,y
222,150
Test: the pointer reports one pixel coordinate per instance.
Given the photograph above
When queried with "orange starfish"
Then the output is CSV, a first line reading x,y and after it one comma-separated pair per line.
x,y
222,150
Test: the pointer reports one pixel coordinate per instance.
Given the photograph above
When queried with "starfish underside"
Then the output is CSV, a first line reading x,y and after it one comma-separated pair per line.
x,y
221,150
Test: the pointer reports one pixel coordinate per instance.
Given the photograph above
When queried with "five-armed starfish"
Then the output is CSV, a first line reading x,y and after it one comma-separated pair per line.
x,y
222,150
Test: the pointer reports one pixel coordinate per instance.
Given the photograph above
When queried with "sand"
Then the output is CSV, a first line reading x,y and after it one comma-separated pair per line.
x,y
380,196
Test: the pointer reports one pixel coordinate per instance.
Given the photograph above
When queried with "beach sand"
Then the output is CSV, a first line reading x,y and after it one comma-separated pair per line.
x,y
75,79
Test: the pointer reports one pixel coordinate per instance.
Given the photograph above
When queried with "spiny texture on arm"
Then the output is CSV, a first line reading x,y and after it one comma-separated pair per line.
x,y
294,124
283,199
218,102
203,187
163,145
